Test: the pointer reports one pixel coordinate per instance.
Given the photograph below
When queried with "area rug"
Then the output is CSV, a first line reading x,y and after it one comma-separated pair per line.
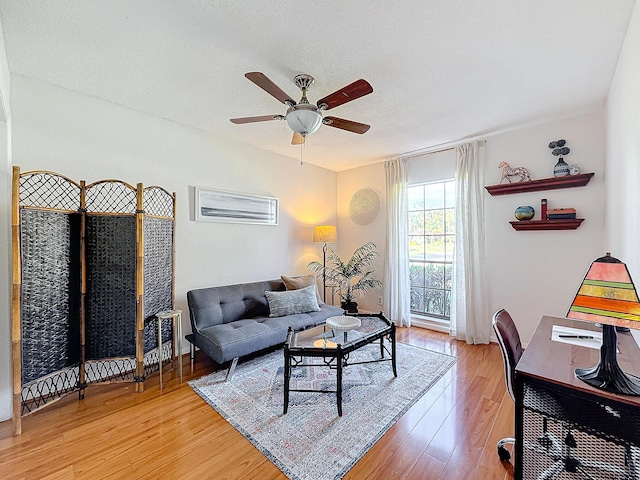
x,y
311,442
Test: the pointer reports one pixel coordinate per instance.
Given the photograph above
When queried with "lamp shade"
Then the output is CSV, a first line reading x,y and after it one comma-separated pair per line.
x,y
304,119
325,234
607,295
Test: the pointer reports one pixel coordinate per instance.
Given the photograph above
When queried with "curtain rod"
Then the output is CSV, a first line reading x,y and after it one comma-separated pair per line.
x,y
427,151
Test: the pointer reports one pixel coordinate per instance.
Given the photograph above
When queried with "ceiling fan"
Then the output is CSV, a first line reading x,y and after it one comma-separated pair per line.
x,y
303,117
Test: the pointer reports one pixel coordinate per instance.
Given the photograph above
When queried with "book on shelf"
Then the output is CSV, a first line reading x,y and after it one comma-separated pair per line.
x,y
560,211
560,216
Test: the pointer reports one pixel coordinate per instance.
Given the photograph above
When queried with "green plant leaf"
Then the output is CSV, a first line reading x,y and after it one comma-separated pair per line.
x,y
352,277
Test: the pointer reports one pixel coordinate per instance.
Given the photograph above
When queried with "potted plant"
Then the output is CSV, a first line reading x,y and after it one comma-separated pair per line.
x,y
353,278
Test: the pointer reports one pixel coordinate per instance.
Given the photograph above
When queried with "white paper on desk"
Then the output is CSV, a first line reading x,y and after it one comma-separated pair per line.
x,y
595,342
636,336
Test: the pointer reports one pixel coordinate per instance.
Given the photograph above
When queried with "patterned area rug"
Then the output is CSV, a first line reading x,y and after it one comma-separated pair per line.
x,y
311,442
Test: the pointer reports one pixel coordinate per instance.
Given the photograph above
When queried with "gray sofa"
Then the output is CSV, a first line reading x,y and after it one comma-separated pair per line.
x,y
232,321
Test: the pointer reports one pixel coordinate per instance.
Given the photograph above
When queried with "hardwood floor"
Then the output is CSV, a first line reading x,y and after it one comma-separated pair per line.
x,y
451,433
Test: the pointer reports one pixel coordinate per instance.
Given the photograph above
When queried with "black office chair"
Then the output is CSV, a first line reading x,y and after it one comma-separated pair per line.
x,y
511,347
509,341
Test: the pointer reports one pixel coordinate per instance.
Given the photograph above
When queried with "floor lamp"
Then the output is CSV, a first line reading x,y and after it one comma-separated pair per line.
x,y
324,234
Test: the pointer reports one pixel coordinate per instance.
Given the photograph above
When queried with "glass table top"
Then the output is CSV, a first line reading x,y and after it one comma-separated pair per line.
x,y
324,337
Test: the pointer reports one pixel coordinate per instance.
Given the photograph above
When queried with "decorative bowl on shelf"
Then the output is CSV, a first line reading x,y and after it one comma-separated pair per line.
x,y
525,213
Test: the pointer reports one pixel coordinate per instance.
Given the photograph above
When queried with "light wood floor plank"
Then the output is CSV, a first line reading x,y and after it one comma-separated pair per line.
x,y
450,432
426,468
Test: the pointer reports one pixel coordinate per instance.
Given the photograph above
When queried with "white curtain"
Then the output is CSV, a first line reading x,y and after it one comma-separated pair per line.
x,y
396,276
470,319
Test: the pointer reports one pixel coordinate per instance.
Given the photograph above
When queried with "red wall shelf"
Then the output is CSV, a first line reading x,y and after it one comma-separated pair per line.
x,y
568,181
565,224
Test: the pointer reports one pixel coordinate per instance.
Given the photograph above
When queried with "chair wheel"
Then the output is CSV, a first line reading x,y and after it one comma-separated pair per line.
x,y
504,454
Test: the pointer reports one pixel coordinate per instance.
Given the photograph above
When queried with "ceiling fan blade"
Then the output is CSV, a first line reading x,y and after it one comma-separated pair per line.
x,y
263,118
357,89
297,139
261,80
348,125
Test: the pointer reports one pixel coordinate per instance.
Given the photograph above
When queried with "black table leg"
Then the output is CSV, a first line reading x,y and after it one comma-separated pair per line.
x,y
339,384
393,349
287,377
345,337
382,347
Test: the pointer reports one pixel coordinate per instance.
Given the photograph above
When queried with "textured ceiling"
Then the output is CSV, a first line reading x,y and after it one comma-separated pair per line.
x,y
441,70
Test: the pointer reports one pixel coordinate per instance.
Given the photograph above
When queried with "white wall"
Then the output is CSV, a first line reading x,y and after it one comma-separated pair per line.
x,y
536,273
435,167
530,273
352,235
623,153
89,139
5,274
5,234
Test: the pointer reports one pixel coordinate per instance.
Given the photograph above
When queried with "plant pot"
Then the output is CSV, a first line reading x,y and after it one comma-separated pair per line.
x,y
349,307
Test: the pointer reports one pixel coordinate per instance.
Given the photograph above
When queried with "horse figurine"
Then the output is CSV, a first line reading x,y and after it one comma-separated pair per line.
x,y
508,172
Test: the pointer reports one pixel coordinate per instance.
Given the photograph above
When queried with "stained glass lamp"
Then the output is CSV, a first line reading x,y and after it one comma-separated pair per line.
x,y
608,296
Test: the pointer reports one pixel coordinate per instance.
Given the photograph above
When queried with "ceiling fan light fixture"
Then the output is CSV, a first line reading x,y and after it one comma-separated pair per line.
x,y
304,119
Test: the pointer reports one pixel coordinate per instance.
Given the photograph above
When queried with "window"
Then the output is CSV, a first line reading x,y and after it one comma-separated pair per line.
x,y
431,246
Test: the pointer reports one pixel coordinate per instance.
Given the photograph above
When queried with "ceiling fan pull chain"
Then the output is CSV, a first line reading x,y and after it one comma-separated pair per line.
x,y
301,151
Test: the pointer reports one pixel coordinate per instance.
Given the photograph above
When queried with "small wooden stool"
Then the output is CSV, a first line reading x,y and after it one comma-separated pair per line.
x,y
176,318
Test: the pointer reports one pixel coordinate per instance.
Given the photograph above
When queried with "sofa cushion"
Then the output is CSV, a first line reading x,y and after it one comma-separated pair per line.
x,y
237,339
310,319
296,283
243,337
225,304
291,302
233,321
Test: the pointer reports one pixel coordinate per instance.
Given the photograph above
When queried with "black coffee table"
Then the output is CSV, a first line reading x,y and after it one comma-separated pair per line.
x,y
322,342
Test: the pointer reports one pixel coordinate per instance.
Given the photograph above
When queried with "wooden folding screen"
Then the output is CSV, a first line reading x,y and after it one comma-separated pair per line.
x,y
92,265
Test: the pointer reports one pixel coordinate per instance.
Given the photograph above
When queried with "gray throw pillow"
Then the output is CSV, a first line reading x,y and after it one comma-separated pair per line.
x,y
291,302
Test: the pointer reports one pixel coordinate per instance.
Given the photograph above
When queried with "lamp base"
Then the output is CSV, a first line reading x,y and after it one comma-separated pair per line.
x,y
611,381
607,374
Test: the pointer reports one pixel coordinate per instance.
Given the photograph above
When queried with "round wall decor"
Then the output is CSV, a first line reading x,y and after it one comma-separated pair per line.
x,y
364,206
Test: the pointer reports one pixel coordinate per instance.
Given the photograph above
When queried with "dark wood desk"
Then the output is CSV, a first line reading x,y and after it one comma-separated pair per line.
x,y
606,426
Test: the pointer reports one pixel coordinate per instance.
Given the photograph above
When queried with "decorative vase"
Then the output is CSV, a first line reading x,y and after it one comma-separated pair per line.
x,y
561,169
525,213
574,169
